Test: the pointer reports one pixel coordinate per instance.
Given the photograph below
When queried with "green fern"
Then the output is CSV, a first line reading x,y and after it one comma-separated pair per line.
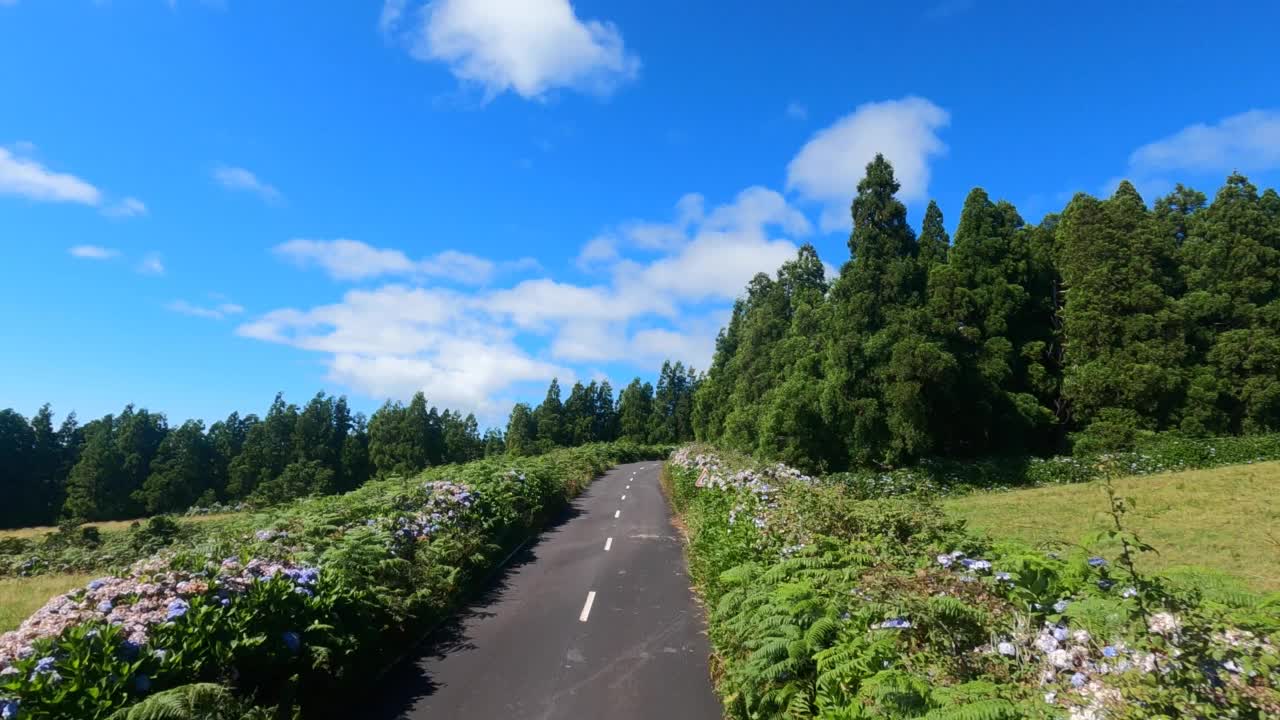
x,y
198,701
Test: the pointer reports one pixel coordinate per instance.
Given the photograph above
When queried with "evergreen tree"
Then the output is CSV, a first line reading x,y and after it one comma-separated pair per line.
x,y
604,422
180,471
579,414
17,463
934,241
522,431
98,476
357,467
550,418
44,490
635,412
1124,349
494,443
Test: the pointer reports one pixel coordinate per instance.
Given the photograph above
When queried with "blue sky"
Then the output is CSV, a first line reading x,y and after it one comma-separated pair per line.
x,y
203,203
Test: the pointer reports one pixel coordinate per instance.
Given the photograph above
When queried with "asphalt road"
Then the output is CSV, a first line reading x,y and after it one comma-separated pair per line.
x,y
595,619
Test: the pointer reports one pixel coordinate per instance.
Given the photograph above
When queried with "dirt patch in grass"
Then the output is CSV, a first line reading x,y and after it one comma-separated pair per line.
x,y
1225,519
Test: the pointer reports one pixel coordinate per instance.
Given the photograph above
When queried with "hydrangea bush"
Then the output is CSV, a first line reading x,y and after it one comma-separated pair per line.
x,y
829,602
294,607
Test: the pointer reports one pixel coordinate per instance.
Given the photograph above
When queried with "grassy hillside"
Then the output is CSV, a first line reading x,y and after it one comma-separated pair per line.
x,y
1225,519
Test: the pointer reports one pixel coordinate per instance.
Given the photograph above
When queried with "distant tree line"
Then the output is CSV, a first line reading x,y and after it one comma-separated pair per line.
x,y
641,413
135,463
1107,319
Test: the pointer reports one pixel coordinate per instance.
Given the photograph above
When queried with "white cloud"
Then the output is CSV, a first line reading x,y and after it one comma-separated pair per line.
x,y
93,252
151,265
389,18
529,47
238,178
1248,142
345,259
217,312
129,207
797,111
600,250
28,178
467,348
830,165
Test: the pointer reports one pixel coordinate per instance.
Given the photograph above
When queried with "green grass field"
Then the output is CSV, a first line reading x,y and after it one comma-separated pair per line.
x,y
19,597
109,525
1226,519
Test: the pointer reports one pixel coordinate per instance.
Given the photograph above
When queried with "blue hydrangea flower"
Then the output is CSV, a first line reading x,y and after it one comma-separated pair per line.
x,y
160,654
1060,633
8,709
896,624
1105,583
292,640
45,665
224,601
1109,651
1097,561
177,609
105,606
1004,577
142,683
95,584
1006,648
1129,592
129,650
1078,680
1061,606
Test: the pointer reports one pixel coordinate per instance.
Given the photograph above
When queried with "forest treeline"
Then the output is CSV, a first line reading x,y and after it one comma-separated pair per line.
x,y
1078,332
135,463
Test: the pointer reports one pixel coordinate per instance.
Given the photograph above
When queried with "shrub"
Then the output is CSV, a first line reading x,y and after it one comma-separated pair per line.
x,y
294,607
825,603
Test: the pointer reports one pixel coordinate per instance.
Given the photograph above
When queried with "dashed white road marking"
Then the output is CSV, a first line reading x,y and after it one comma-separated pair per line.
x,y
617,514
608,543
586,609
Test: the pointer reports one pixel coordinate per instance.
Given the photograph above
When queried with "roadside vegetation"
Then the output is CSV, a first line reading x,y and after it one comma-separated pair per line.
x,y
828,601
292,609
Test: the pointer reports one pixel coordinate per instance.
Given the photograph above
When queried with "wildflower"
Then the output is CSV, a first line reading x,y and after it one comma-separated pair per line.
x,y
177,609
142,683
1078,680
1097,561
1046,643
292,640
1163,623
1129,592
1049,697
1006,648
1061,606
896,624
945,560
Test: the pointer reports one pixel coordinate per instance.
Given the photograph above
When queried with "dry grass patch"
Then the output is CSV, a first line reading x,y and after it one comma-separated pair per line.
x,y
1225,519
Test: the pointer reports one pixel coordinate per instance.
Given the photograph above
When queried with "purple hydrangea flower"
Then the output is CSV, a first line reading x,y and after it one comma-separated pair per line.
x,y
896,624
1004,577
177,609
1078,680
45,665
105,606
